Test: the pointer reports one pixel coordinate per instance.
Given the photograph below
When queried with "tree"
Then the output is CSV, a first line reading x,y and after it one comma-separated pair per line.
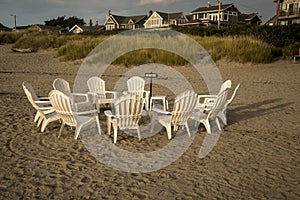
x,y
91,22
62,22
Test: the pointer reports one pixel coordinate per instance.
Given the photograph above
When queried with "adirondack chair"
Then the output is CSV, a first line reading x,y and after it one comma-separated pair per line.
x,y
96,87
206,102
64,86
184,105
127,111
62,104
213,114
44,111
228,102
136,85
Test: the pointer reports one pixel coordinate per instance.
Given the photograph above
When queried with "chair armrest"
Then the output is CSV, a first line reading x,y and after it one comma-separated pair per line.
x,y
46,108
115,94
108,113
160,111
44,98
82,94
85,112
42,102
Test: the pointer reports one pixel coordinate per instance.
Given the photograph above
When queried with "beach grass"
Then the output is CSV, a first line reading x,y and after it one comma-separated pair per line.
x,y
74,47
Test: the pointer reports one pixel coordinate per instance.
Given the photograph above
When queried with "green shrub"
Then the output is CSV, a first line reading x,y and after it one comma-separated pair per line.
x,y
10,37
291,50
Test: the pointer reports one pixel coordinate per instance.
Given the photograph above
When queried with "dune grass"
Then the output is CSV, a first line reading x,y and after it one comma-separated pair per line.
x,y
72,47
239,49
79,48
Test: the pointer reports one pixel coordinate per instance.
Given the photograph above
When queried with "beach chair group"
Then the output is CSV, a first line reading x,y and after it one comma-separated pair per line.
x,y
127,109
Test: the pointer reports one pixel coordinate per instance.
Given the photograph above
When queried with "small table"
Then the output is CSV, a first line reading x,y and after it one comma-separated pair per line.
x,y
163,99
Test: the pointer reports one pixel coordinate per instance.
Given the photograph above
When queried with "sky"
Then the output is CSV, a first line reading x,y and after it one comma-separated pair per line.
x,y
38,11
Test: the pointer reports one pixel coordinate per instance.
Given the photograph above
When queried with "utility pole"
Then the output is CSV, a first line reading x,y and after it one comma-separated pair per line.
x,y
277,12
219,12
15,21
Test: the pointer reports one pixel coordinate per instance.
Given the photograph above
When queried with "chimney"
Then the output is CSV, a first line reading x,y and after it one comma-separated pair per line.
x,y
208,4
150,13
108,15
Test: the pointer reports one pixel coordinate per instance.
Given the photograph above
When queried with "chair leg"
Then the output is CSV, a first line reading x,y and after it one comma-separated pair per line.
x,y
37,116
207,126
115,131
187,129
61,128
98,124
108,122
138,132
77,131
223,117
40,121
169,129
44,124
218,124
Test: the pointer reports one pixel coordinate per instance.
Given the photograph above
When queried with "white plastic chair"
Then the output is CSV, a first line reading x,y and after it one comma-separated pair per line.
x,y
96,87
62,104
228,102
206,102
213,114
64,86
184,105
127,111
44,111
136,85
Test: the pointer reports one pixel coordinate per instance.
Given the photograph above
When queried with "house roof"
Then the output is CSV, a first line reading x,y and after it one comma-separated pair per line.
x,y
87,28
213,8
167,16
125,19
4,28
271,20
247,17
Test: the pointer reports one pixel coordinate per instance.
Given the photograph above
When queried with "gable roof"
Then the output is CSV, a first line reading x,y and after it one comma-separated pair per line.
x,y
167,16
87,28
247,17
4,28
125,19
214,8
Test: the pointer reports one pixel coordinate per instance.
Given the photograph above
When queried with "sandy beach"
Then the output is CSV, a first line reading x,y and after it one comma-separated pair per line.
x,y
256,157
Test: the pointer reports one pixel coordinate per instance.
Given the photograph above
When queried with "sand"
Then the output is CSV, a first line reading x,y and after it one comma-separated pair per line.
x,y
256,157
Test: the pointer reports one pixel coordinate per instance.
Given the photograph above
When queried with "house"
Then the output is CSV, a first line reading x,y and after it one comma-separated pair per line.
x,y
252,18
288,12
80,29
271,21
124,22
160,19
225,14
4,28
40,27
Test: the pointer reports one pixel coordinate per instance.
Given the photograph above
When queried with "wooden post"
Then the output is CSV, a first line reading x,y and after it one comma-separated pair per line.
x,y
219,11
277,12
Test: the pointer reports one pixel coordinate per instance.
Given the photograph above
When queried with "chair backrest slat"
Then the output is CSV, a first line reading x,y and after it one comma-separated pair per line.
x,y
128,110
219,104
31,95
63,86
136,85
62,105
97,85
183,106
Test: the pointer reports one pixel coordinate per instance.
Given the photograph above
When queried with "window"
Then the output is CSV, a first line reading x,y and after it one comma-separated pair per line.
x,y
225,17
